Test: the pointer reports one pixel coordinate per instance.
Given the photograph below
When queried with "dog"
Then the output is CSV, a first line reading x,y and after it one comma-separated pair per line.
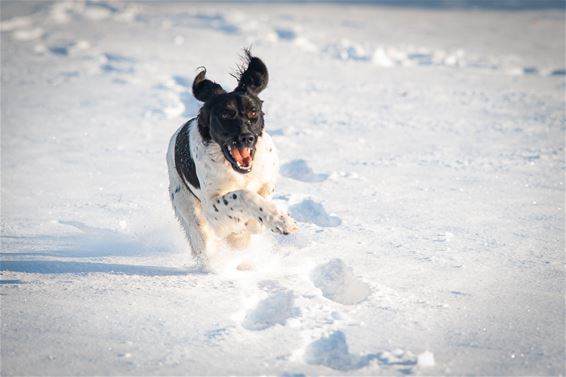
x,y
223,165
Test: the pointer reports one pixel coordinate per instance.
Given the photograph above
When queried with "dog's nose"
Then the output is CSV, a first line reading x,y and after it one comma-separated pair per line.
x,y
246,139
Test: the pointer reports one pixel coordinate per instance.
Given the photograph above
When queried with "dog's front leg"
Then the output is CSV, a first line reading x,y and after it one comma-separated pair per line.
x,y
241,205
266,190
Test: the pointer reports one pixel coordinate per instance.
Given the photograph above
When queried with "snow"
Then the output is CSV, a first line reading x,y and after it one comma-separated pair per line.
x,y
337,282
301,171
309,211
422,152
275,309
426,359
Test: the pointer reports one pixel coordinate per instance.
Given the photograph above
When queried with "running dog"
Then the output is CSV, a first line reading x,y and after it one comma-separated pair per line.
x,y
223,165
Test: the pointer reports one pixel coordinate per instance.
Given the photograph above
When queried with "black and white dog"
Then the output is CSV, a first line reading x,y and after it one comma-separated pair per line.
x,y
223,165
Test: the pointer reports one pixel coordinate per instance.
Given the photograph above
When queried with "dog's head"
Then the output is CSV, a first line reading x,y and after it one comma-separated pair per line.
x,y
233,120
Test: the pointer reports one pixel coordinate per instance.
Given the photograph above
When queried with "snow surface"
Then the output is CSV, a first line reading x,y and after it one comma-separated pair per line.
x,y
422,151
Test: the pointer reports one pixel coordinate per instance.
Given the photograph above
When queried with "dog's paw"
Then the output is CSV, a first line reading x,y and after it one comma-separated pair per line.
x,y
284,224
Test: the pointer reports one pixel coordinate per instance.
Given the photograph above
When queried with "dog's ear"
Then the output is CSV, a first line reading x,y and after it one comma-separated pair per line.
x,y
252,74
204,89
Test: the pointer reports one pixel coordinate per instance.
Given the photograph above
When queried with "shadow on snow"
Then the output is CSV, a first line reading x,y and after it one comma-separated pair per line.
x,y
58,267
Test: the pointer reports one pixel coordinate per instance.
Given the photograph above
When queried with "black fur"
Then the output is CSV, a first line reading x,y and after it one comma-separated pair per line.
x,y
252,75
184,162
226,118
204,89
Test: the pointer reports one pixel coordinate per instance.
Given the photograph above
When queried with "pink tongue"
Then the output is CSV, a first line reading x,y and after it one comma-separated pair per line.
x,y
245,152
246,157
242,156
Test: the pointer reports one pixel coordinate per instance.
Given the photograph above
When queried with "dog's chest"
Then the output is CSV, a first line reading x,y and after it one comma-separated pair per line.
x,y
216,174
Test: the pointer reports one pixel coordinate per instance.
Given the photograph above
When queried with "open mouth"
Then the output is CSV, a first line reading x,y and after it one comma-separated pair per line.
x,y
242,159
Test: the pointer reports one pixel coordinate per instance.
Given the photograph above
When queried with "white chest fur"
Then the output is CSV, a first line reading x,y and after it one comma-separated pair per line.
x,y
215,174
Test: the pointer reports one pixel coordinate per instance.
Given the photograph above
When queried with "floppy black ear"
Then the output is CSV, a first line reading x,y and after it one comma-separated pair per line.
x,y
204,89
252,75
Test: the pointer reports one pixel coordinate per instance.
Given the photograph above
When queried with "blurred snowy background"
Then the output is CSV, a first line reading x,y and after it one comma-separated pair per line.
x,y
422,148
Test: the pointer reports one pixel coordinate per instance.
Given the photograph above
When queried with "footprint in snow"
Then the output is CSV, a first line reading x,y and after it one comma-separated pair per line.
x,y
67,47
212,21
273,310
183,81
309,211
116,63
182,86
332,351
558,72
190,103
301,171
284,33
337,282
174,99
217,334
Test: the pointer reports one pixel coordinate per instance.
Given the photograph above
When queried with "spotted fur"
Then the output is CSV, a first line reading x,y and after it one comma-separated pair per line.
x,y
212,201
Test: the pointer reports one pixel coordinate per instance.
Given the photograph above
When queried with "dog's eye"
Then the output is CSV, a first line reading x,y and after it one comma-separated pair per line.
x,y
229,114
252,114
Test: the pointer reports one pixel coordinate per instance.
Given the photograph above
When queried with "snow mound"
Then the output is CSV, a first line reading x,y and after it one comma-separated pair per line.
x,y
337,282
309,211
273,310
397,357
332,351
426,359
301,171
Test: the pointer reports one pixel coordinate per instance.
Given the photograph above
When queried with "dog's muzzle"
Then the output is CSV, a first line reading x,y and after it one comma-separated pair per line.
x,y
241,154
